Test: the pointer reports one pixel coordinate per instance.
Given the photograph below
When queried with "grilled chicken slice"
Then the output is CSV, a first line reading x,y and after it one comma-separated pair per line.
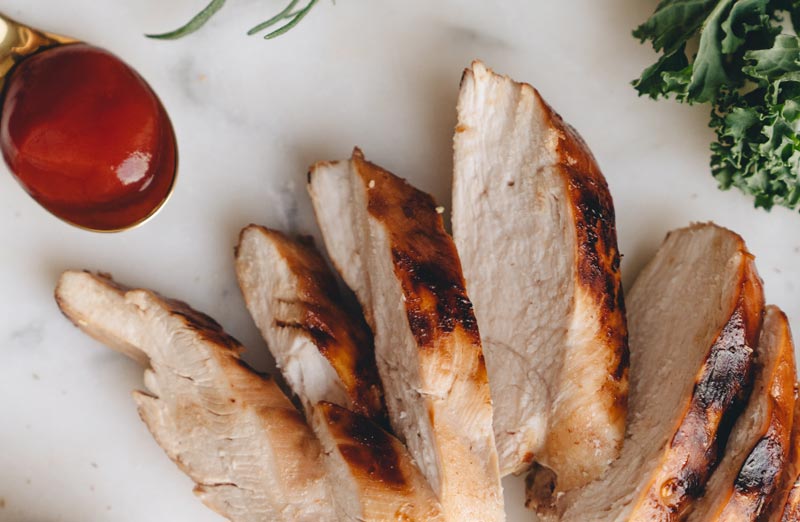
x,y
534,224
694,316
388,242
324,351
786,504
374,475
229,428
757,452
326,354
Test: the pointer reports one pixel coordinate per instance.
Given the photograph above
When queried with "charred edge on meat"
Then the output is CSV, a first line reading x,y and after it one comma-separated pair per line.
x,y
371,449
424,256
718,397
540,486
759,474
330,324
598,254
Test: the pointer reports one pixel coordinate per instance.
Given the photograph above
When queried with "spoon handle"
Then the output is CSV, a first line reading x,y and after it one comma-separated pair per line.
x,y
18,41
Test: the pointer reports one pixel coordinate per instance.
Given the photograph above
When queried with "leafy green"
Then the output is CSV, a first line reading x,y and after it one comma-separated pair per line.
x,y
748,70
289,13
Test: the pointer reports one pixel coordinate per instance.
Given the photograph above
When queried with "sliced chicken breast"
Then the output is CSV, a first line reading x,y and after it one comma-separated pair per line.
x,y
388,241
326,354
791,508
785,506
324,351
375,476
533,221
757,452
229,428
694,316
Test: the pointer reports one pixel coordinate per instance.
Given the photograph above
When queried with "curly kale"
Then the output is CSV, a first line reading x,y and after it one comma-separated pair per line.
x,y
747,67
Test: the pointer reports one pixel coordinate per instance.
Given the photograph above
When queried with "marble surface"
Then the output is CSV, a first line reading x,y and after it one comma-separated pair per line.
x,y
251,116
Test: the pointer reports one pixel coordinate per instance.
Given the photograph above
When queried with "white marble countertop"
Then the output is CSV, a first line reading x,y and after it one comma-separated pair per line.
x,y
251,116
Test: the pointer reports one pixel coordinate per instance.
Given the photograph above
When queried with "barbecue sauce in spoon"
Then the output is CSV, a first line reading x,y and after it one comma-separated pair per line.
x,y
87,138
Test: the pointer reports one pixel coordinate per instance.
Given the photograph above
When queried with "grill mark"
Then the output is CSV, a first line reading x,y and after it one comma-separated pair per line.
x,y
760,471
435,303
424,256
597,252
720,393
339,332
365,446
598,257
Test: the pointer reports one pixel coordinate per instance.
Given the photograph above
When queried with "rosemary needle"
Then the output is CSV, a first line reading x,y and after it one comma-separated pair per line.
x,y
293,22
194,24
286,13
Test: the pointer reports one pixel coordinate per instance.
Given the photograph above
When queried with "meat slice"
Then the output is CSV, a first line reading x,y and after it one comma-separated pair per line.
x,y
229,428
374,475
757,452
791,506
388,241
326,354
533,221
786,504
324,350
694,316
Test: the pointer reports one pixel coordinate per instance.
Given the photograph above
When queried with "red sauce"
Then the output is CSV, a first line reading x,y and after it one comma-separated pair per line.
x,y
87,138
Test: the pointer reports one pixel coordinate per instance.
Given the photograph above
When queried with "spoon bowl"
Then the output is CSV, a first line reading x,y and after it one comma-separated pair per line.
x,y
82,132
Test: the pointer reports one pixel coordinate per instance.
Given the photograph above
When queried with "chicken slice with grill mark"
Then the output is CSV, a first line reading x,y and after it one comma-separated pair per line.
x,y
694,316
324,350
231,429
757,452
533,221
375,477
326,354
388,241
785,506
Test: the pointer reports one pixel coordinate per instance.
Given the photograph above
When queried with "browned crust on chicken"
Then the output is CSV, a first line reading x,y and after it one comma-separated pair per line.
x,y
370,452
340,334
425,258
388,240
760,475
785,506
790,511
598,255
719,392
598,264
375,466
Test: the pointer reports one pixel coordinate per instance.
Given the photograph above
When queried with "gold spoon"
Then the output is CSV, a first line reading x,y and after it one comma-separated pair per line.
x,y
19,42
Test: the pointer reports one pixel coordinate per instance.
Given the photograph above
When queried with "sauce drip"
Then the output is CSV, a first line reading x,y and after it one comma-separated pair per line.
x,y
87,138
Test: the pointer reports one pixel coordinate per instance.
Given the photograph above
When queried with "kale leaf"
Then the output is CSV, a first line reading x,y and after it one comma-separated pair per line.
x,y
747,68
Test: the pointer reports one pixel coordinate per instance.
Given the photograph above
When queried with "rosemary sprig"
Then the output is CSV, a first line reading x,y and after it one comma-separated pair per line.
x,y
289,13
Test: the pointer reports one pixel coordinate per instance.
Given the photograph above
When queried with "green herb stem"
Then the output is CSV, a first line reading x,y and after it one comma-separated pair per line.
x,y
194,24
286,13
